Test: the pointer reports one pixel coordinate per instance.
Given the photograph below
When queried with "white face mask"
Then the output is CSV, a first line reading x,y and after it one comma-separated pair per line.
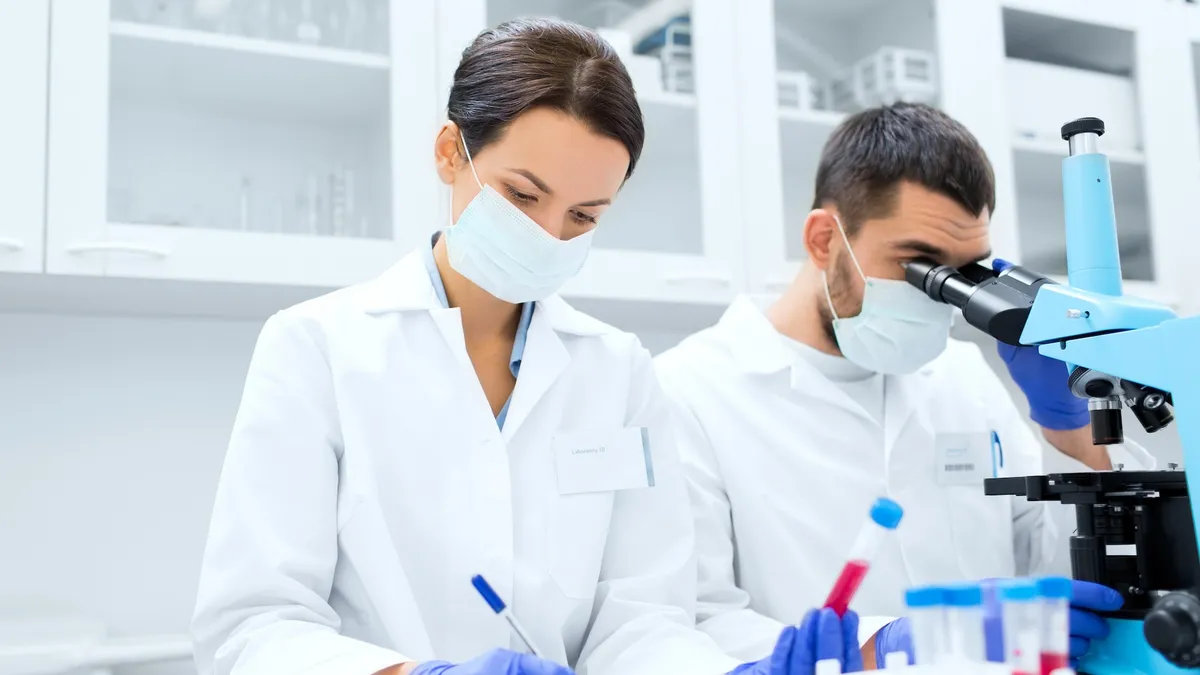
x,y
506,253
899,328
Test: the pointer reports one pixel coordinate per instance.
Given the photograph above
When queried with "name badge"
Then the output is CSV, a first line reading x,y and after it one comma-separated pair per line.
x,y
592,462
964,459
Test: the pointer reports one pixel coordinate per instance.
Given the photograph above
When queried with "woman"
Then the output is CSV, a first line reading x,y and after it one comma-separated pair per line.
x,y
455,417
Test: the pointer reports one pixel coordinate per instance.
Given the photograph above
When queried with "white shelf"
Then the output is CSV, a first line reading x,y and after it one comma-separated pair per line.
x,y
1058,150
1050,38
246,76
818,118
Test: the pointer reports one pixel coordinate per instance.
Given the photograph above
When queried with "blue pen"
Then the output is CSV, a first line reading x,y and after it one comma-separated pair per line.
x,y
493,600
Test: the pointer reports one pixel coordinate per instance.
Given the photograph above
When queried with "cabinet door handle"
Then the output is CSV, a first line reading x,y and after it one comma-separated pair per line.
x,y
684,278
117,247
11,245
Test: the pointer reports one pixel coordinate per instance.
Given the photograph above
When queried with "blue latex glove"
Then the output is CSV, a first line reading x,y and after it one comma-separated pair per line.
x,y
1044,381
894,637
993,623
495,662
1088,598
820,636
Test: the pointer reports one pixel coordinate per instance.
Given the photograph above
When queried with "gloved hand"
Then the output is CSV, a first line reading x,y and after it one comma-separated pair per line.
x,y
1088,598
894,637
495,662
820,636
1044,381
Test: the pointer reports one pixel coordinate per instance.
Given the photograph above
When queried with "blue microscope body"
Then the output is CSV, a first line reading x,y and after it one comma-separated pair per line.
x,y
1121,352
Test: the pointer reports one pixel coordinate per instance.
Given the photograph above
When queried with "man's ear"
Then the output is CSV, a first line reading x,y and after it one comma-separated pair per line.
x,y
820,229
447,152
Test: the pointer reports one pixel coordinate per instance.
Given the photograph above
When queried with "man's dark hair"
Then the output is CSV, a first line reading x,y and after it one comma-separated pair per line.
x,y
871,153
544,63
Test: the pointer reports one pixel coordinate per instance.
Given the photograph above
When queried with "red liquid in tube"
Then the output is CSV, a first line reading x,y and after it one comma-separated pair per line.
x,y
1052,662
847,585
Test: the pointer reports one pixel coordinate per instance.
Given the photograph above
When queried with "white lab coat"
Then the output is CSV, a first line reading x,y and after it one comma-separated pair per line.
x,y
783,467
366,482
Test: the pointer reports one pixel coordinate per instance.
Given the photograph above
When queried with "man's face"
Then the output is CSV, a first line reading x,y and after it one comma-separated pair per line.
x,y
924,224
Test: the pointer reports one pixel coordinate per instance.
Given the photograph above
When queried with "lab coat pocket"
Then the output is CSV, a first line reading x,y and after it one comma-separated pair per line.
x,y
982,530
577,533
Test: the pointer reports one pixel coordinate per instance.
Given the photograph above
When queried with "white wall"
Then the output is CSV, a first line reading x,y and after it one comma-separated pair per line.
x,y
112,433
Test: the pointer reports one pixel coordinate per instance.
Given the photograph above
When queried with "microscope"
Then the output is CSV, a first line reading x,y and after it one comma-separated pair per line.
x,y
1136,530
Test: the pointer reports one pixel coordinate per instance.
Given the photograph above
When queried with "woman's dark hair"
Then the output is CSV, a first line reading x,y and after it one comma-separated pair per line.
x,y
875,150
543,63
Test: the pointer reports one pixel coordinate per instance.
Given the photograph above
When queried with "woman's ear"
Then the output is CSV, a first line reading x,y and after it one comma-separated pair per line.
x,y
447,152
819,230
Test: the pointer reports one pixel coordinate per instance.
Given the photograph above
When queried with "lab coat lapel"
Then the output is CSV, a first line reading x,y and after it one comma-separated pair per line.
x,y
903,397
406,286
544,359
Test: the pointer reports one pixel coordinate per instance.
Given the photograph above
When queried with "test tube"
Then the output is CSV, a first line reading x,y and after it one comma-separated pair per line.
x,y
1055,595
1021,615
927,613
964,623
885,516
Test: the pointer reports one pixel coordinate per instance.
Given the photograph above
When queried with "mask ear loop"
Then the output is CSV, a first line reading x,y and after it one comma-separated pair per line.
x,y
850,250
472,164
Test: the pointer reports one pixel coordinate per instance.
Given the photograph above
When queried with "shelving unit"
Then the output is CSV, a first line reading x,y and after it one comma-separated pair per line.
x,y
247,76
1059,69
148,183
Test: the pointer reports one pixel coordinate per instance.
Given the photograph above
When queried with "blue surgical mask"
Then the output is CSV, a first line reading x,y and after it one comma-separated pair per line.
x,y
899,328
504,252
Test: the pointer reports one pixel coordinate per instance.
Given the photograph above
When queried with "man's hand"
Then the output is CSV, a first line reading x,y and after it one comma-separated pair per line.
x,y
1086,599
820,637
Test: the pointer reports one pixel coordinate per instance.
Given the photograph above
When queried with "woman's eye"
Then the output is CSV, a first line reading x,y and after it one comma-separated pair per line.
x,y
584,218
520,196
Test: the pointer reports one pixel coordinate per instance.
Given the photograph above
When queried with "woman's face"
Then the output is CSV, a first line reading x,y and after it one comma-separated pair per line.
x,y
547,163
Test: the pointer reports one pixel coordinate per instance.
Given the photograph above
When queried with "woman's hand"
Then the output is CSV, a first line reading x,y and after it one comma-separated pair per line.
x,y
495,662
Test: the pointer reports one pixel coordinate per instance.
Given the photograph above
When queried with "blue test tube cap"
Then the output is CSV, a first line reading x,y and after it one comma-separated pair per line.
x,y
1017,590
886,513
964,595
1056,588
925,596
489,595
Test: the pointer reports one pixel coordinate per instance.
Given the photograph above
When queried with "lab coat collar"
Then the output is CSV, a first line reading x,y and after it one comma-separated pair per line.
x,y
755,345
406,286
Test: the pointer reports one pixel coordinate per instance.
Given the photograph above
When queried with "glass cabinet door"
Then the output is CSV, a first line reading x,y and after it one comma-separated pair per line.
x,y
832,59
24,51
254,141
672,232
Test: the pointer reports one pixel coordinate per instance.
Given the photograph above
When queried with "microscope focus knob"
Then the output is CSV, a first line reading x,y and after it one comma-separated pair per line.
x,y
1173,628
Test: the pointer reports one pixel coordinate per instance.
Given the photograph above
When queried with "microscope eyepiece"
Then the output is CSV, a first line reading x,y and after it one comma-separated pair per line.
x,y
942,283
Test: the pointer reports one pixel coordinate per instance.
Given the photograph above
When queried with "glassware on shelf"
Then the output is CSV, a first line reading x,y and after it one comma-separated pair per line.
x,y
213,15
307,30
336,15
254,17
357,25
379,25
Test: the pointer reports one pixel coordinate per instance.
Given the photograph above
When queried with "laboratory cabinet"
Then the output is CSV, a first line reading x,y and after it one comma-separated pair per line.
x,y
24,43
675,232
285,145
822,62
251,142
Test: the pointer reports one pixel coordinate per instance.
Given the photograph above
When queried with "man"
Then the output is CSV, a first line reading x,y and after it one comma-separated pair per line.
x,y
795,415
